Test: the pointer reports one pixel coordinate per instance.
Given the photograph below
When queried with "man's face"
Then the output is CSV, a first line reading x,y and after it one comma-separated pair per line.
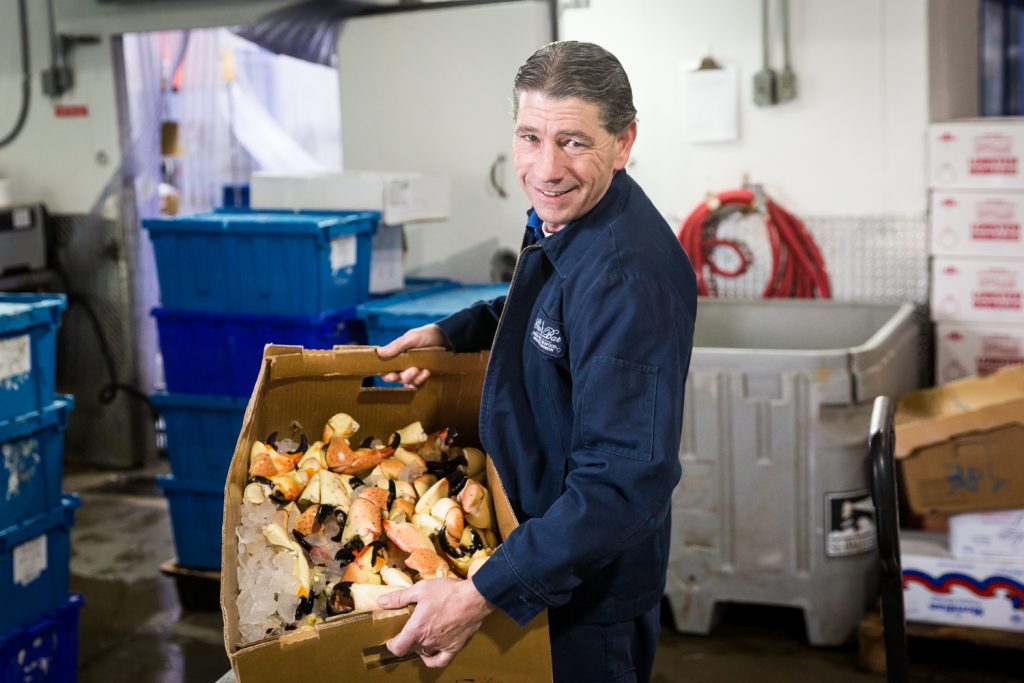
x,y
564,157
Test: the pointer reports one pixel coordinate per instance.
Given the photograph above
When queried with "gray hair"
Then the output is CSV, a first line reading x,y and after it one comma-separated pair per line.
x,y
583,70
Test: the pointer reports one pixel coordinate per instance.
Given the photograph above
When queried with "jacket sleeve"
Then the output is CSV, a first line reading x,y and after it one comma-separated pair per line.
x,y
629,347
473,328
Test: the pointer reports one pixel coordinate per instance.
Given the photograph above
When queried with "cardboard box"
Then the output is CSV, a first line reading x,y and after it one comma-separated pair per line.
x,y
977,224
964,349
941,590
960,444
311,386
400,197
977,290
988,536
977,154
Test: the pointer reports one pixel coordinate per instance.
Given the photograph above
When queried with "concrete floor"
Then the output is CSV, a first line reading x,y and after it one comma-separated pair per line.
x,y
133,627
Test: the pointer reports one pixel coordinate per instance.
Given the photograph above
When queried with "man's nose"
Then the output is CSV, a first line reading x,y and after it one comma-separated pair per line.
x,y
549,167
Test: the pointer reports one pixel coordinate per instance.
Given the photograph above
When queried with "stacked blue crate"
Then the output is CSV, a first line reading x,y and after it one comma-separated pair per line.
x,y
232,281
389,317
35,518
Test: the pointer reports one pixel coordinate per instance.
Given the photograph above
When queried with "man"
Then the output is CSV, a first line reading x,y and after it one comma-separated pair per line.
x,y
583,399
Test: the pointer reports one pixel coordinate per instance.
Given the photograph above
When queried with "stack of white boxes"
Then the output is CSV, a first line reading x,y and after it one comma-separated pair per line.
x,y
977,245
972,577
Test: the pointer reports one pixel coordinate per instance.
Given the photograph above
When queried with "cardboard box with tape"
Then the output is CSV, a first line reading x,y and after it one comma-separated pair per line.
x,y
309,387
959,444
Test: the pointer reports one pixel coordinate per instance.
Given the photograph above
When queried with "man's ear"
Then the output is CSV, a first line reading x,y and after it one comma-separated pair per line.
x,y
623,144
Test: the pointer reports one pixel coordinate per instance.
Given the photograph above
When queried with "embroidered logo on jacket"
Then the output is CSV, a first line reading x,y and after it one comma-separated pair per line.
x,y
547,336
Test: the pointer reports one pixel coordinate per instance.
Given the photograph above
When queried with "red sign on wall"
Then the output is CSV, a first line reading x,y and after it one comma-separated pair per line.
x,y
70,111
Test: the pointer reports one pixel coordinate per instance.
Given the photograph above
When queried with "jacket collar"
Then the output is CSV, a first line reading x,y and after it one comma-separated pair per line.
x,y
568,246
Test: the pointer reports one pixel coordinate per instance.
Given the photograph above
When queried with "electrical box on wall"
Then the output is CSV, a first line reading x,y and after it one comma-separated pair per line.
x,y
22,239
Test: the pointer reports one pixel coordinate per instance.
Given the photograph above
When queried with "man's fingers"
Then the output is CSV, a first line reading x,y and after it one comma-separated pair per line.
x,y
394,600
391,377
422,377
403,643
409,376
437,661
396,346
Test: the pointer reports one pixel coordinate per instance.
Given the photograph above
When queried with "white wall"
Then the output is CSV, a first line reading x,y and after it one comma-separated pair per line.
x,y
65,162
852,143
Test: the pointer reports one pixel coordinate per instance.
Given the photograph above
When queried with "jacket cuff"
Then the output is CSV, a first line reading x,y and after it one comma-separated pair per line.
x,y
460,329
502,587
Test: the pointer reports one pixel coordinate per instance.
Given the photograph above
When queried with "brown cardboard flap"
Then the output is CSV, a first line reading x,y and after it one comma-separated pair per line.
x,y
503,511
966,406
912,437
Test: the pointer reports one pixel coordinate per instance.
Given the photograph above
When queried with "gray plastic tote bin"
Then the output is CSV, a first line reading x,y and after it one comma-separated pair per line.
x,y
774,505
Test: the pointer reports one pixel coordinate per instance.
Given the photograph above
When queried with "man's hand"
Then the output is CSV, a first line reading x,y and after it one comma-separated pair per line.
x,y
416,338
448,612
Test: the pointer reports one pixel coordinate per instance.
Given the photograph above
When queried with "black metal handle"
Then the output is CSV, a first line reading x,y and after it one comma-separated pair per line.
x,y
884,495
494,176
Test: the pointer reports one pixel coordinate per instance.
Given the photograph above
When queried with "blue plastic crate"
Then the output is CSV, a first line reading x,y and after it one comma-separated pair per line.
x,y
197,513
45,651
28,351
392,316
34,567
221,353
262,262
201,433
420,285
31,462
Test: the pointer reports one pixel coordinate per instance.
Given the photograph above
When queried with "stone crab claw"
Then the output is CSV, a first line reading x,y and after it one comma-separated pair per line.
x,y
364,596
342,459
341,424
295,453
428,564
479,557
407,536
339,598
476,461
393,576
286,488
376,495
309,521
431,496
402,510
461,555
448,512
367,565
409,435
476,503
438,444
363,522
266,462
423,483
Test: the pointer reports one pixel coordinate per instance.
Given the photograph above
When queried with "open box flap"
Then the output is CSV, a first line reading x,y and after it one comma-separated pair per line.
x,y
971,405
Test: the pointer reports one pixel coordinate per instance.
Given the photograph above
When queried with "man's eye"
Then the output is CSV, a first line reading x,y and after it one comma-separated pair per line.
x,y
574,144
529,138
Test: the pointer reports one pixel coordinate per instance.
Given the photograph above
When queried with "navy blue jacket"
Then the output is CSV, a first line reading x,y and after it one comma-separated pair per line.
x,y
582,409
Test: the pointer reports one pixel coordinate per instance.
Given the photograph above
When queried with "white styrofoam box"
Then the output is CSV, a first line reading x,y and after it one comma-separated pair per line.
x,y
977,290
977,154
977,224
942,590
387,265
400,197
964,349
995,535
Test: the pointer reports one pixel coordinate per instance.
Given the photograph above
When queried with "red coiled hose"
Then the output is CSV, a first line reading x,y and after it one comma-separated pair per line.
x,y
798,271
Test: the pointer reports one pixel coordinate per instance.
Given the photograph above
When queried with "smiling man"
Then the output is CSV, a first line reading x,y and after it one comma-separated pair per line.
x,y
583,399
